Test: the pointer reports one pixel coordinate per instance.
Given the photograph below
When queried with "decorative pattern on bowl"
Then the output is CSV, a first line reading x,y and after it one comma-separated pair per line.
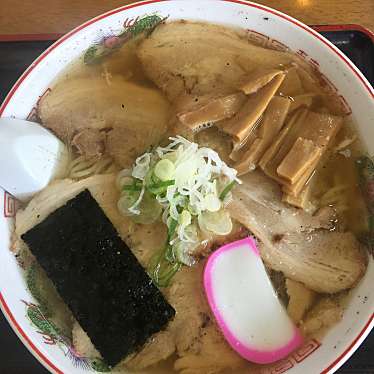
x,y
266,26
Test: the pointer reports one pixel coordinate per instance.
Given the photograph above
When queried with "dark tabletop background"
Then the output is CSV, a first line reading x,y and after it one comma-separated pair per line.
x,y
16,56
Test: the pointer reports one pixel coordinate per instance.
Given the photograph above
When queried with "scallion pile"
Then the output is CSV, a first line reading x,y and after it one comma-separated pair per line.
x,y
188,187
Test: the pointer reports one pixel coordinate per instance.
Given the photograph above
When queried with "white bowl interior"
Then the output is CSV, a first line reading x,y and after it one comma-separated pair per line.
x,y
269,26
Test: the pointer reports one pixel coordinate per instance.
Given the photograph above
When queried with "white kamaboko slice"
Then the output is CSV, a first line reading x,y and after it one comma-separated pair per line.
x,y
245,305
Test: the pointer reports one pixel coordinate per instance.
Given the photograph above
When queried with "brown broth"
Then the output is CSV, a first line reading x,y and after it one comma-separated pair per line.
x,y
123,62
338,170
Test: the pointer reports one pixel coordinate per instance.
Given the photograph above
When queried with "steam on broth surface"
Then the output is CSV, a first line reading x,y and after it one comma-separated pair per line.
x,y
250,105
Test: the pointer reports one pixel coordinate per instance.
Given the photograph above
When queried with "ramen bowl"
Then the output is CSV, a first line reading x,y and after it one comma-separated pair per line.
x,y
264,26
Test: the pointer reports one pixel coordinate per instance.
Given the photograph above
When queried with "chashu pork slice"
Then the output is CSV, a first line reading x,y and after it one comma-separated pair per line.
x,y
192,334
199,58
200,346
294,242
122,117
142,240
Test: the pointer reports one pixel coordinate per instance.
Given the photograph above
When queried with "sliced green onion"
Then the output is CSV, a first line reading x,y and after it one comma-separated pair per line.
x,y
142,166
217,222
212,202
179,181
226,190
153,179
172,227
192,209
163,267
185,218
131,187
163,277
169,254
159,188
149,208
164,170
123,178
136,185
127,200
182,252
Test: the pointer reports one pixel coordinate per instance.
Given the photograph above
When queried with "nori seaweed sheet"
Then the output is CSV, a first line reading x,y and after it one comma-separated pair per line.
x,y
96,274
